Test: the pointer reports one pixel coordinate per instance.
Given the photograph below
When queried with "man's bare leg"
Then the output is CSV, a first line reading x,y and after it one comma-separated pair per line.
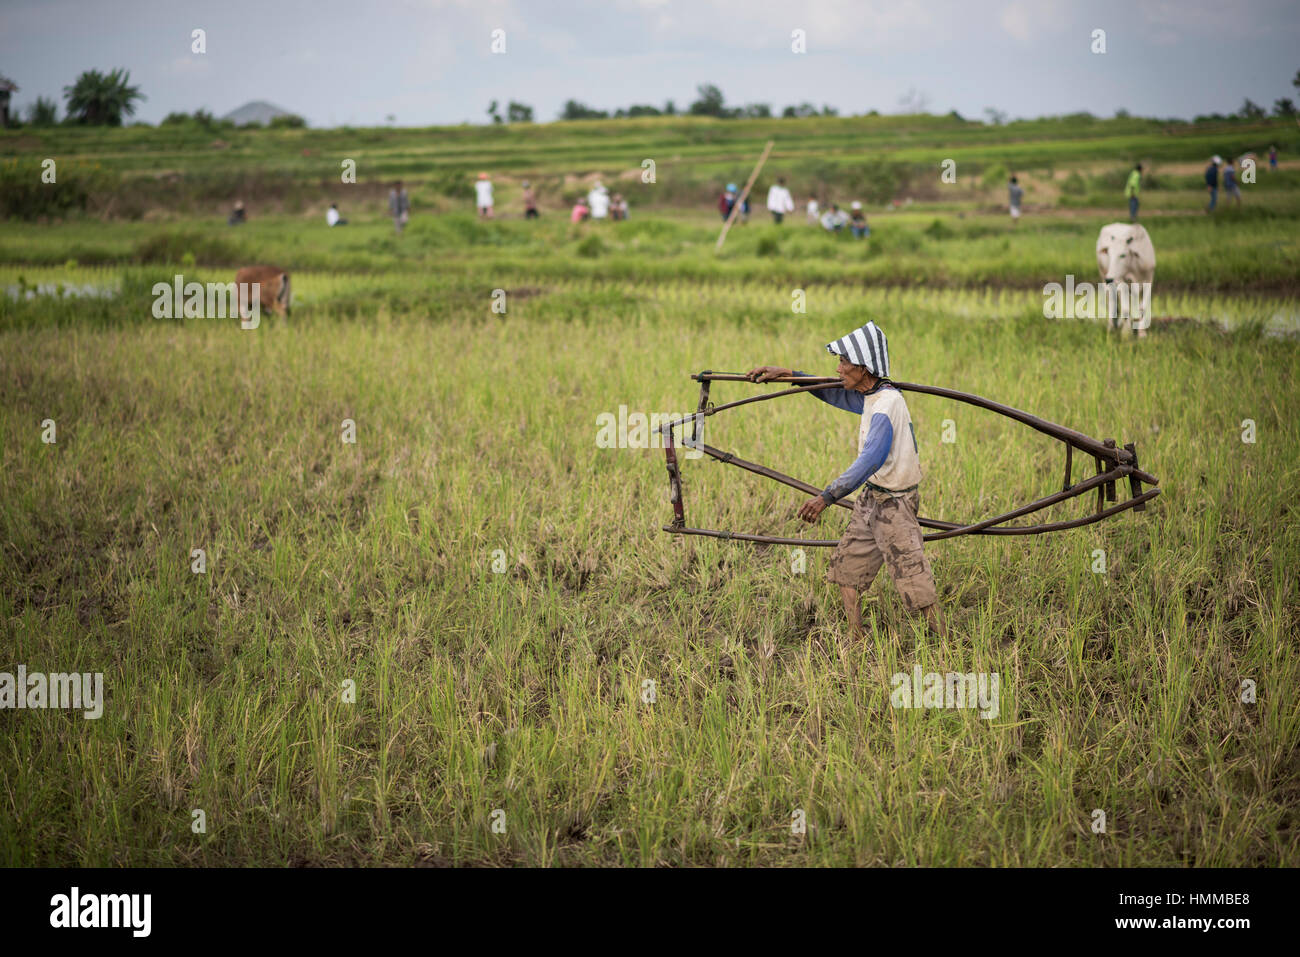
x,y
934,617
853,608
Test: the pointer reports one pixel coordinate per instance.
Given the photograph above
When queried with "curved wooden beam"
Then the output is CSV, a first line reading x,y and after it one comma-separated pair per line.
x,y
1123,461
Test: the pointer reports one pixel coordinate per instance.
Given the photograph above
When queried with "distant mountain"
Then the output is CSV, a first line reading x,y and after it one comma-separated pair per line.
x,y
257,111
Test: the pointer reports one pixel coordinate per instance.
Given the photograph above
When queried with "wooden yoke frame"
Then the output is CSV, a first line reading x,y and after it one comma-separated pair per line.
x,y
1113,465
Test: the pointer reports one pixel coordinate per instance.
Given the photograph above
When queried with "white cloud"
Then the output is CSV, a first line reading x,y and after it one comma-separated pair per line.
x,y
1209,19
1027,21
192,64
1014,21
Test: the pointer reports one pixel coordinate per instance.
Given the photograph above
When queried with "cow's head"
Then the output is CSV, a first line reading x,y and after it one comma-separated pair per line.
x,y
1120,250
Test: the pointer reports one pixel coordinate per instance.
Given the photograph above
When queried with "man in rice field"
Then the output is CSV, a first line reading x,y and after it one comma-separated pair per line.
x,y
1015,193
883,529
1230,188
1131,189
399,206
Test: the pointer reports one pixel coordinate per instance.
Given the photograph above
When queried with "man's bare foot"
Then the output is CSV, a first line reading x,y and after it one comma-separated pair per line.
x,y
934,618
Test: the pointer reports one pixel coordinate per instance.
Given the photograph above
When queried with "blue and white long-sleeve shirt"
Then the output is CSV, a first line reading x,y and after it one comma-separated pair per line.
x,y
888,457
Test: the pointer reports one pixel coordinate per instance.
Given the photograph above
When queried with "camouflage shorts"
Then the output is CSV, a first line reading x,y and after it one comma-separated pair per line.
x,y
884,530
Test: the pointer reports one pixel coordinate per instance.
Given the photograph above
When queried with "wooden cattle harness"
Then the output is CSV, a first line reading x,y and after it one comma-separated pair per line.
x,y
1113,465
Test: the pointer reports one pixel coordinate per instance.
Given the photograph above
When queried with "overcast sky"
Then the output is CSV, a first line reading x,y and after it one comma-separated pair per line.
x,y
430,61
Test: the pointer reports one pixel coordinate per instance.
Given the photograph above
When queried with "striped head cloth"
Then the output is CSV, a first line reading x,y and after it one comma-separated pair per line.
x,y
864,347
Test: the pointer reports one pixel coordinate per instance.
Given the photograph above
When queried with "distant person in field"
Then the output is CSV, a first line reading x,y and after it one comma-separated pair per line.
x,y
237,217
399,206
727,201
618,207
1212,182
1230,188
858,221
332,216
483,196
1131,191
744,209
581,211
884,529
1014,195
814,211
598,200
530,202
1272,158
833,219
779,201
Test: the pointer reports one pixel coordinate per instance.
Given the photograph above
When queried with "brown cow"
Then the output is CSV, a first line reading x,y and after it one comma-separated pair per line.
x,y
272,290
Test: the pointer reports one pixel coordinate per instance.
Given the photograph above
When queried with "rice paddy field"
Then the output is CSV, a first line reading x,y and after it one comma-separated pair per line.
x,y
439,623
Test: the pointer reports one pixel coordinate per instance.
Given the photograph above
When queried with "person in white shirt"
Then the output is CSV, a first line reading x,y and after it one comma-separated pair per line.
x,y
484,190
835,219
779,201
598,200
332,216
814,211
399,206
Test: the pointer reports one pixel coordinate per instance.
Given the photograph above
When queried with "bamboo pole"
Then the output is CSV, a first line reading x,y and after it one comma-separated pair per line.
x,y
740,200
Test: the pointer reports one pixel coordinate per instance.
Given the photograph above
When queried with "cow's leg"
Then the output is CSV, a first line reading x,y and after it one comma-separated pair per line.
x,y
1140,297
1113,310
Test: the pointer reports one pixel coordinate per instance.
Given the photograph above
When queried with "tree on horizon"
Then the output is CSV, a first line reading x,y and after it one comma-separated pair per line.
x,y
102,99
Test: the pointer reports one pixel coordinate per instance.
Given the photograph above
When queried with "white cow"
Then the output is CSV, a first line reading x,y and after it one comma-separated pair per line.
x,y
1127,260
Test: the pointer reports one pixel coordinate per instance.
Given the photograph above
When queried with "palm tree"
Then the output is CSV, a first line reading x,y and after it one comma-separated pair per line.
x,y
44,112
102,99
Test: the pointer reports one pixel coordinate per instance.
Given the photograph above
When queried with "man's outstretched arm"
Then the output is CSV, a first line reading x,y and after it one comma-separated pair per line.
x,y
838,396
880,437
